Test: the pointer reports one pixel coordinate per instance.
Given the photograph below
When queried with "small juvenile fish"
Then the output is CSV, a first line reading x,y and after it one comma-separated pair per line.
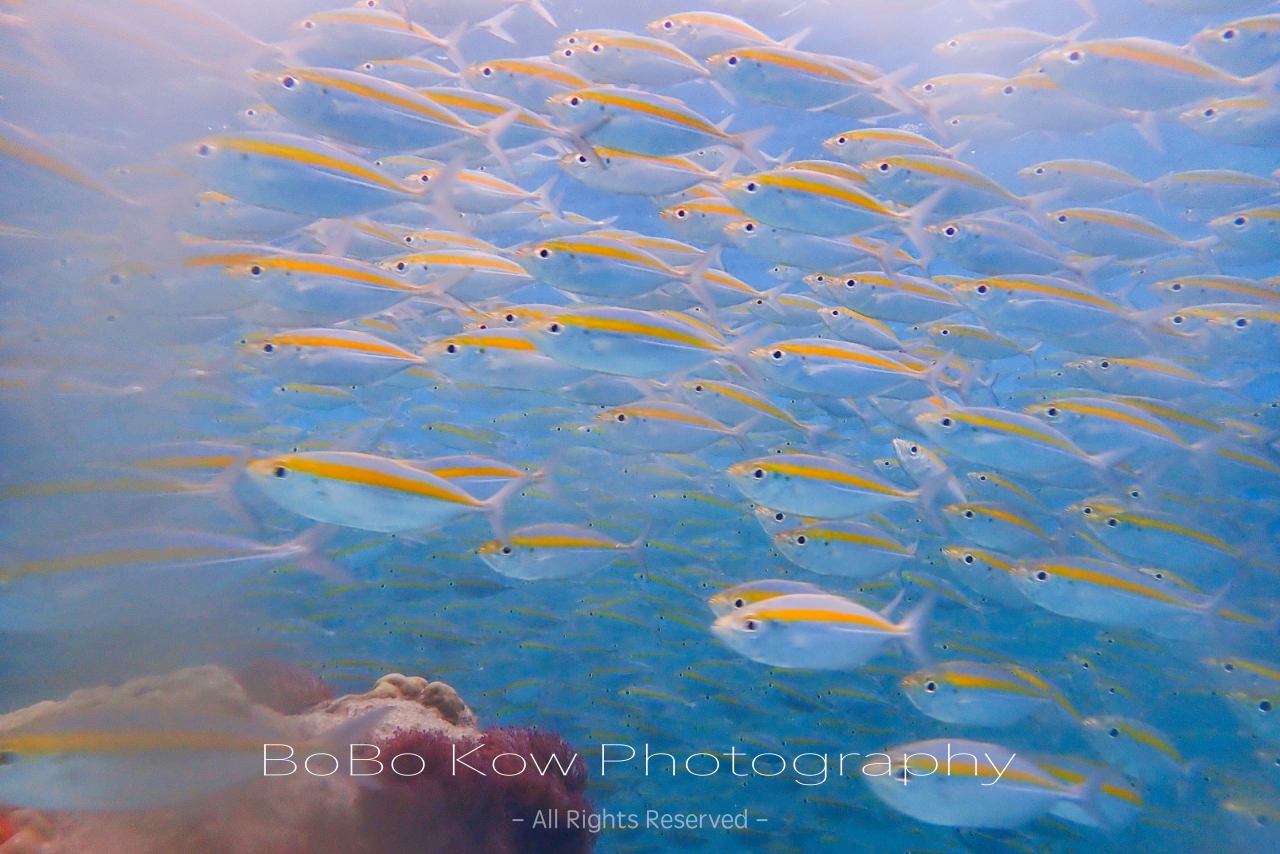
x,y
555,551
745,595
978,694
369,492
817,631
711,31
615,56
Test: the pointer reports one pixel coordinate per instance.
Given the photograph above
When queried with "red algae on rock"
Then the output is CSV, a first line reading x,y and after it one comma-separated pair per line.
x,y
437,810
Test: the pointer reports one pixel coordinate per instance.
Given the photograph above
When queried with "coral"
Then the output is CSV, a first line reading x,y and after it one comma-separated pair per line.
x,y
438,811
287,688
387,814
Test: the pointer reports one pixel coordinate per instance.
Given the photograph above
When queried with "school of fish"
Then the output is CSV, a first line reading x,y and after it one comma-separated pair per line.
x,y
849,376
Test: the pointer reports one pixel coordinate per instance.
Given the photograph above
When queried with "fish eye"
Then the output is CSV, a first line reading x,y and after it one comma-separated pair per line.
x,y
751,186
1039,170
1088,511
953,43
1209,112
288,82
487,71
1158,576
1009,90
1051,411
968,514
452,348
850,283
308,25
749,227
739,602
401,266
840,140
424,178
1177,318
1228,35
568,51
368,66
758,474
946,422
667,25
506,550
554,329
204,151
1104,364
779,516
582,158
575,101
835,312
751,625
949,231
268,348
681,213
931,686
1240,220
697,388
595,48
544,253
1042,576
1228,667
759,302
280,471
1134,493
1062,217
928,87
1176,286
945,332
1242,322
1264,706
1113,732
801,540
1074,56
982,289
733,60
968,559
884,167
1111,523
255,270
777,354
622,416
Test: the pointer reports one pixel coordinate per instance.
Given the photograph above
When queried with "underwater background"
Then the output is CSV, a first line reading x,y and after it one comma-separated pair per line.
x,y
819,378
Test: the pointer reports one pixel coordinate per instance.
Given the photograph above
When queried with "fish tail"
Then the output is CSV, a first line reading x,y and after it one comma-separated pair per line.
x,y
748,142
792,41
309,543
545,199
541,12
914,221
493,26
450,46
739,433
915,625
637,546
492,132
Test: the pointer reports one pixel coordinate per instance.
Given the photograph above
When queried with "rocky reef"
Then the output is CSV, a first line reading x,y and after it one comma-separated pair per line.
x,y
433,810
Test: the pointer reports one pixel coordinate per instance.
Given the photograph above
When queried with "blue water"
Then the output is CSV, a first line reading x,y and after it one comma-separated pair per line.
x,y
130,406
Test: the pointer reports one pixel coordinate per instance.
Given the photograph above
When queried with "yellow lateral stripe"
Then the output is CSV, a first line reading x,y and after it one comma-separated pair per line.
x,y
123,557
108,742
383,480
307,157
819,615
290,339
1103,580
